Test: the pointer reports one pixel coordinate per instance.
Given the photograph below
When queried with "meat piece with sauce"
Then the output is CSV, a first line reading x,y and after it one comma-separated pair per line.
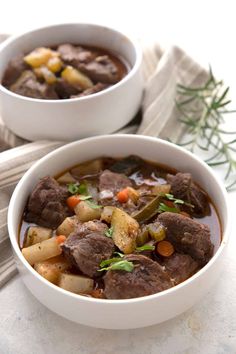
x,y
147,278
14,69
27,85
87,247
183,187
180,266
101,69
47,204
188,236
74,55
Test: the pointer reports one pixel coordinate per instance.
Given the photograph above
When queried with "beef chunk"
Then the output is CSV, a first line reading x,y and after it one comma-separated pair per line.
x,y
74,55
65,90
127,165
14,70
147,278
96,88
87,248
113,182
188,236
183,187
180,266
46,206
101,69
27,85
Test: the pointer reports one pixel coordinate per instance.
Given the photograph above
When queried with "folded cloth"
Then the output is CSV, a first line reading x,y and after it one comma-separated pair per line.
x,y
161,71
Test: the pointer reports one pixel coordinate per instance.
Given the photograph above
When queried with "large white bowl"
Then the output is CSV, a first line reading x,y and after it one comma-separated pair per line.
x,y
101,113
119,314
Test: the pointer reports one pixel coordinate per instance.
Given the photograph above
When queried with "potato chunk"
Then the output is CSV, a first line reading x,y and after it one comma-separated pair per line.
x,y
85,212
75,77
125,231
35,234
54,64
76,283
66,178
42,250
38,57
46,74
52,268
107,213
67,226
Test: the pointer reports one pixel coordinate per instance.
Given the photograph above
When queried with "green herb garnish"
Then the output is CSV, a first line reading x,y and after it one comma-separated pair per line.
x,y
75,188
85,197
178,201
109,232
109,261
93,205
120,265
163,207
202,110
145,248
119,254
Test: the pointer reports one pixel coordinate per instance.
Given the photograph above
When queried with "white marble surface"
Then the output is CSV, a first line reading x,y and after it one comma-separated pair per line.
x,y
206,30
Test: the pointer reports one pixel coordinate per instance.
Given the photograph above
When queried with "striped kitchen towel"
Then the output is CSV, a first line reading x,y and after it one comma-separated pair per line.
x,y
161,71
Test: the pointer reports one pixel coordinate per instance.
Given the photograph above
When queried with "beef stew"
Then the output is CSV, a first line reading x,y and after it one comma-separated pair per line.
x,y
62,72
119,228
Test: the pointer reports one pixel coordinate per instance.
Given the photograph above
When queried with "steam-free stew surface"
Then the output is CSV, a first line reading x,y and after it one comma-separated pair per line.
x,y
119,228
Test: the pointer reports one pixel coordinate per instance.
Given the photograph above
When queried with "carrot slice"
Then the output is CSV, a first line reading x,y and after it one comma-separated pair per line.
x,y
123,195
60,239
72,201
165,248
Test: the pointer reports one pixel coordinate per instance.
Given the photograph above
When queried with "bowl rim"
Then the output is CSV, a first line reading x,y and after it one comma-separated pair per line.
x,y
134,68
124,302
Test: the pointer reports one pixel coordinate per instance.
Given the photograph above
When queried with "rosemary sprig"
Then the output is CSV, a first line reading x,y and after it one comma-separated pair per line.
x,y
202,112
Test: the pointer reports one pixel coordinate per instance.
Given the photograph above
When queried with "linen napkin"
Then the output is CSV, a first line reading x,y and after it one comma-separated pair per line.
x,y
162,70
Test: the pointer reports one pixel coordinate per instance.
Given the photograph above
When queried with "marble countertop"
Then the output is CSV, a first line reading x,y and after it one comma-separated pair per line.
x,y
209,327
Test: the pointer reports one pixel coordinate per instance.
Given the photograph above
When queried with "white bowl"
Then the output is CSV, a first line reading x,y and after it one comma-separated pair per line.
x,y
131,313
101,113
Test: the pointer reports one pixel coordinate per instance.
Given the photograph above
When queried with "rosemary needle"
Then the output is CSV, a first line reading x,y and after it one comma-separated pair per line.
x,y
202,112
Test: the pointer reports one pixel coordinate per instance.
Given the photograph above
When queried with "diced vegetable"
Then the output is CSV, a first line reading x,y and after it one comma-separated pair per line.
x,y
161,189
38,57
107,213
143,236
88,168
123,196
46,74
165,248
67,226
72,201
86,211
52,268
76,283
133,194
125,231
156,231
54,64
148,211
43,250
75,77
36,234
66,178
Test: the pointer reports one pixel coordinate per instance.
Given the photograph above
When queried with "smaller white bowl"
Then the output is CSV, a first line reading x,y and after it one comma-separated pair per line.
x,y
101,113
130,313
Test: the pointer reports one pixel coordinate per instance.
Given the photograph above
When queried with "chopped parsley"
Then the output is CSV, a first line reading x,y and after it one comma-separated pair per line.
x,y
109,232
75,188
145,248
